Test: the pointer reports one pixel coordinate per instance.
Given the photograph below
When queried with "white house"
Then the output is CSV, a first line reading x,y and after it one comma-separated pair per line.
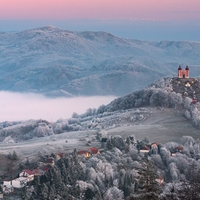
x,y
28,174
20,182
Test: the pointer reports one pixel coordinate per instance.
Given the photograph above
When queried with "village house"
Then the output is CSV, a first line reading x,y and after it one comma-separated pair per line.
x,y
94,151
28,174
20,182
144,149
178,149
49,162
59,156
84,153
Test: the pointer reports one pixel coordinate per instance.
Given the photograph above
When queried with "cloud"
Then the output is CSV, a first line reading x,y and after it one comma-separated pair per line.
x,y
17,106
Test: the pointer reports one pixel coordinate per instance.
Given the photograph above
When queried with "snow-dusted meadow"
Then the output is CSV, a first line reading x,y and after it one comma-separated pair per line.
x,y
158,125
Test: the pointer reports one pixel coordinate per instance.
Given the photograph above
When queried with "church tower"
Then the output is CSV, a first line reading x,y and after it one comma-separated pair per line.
x,y
183,73
187,72
180,74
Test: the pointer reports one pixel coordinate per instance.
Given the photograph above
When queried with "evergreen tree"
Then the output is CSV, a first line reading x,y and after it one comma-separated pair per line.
x,y
126,182
89,194
14,156
44,191
148,188
190,189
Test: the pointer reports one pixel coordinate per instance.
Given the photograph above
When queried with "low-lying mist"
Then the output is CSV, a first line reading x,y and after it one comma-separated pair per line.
x,y
18,106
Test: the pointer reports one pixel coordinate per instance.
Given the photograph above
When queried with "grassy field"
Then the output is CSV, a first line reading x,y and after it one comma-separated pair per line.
x,y
163,126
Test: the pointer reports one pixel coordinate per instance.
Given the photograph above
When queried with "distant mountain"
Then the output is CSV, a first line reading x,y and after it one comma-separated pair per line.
x,y
58,62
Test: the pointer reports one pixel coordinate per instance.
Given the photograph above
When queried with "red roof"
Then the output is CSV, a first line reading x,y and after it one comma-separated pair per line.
x,y
94,150
180,148
60,154
29,172
145,148
154,143
82,152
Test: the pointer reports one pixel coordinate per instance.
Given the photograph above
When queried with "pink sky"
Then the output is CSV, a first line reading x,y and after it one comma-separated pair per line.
x,y
100,9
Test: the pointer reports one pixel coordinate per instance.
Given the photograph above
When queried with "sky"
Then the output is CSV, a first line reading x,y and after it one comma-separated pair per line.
x,y
138,19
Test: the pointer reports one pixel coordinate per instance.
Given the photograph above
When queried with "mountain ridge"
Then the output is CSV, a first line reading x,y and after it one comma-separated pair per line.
x,y
49,60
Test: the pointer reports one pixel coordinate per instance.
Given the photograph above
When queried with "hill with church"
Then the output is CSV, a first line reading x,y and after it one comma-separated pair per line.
x,y
179,95
58,62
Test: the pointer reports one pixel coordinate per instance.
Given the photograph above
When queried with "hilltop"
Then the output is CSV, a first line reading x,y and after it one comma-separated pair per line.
x,y
58,62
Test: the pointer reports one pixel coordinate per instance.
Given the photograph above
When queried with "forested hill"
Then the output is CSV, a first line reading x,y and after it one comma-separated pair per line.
x,y
56,62
166,92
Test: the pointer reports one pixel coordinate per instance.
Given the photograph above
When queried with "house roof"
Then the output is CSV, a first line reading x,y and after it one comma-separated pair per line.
x,y
145,148
180,148
154,143
94,150
29,172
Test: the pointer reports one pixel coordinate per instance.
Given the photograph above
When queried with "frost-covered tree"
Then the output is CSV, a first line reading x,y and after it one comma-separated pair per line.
x,y
187,141
187,103
43,129
174,172
58,128
113,193
187,115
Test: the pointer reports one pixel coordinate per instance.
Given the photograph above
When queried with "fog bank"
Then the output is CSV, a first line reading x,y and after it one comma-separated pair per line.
x,y
17,106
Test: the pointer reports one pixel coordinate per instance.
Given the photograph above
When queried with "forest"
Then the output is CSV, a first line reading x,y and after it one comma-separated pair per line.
x,y
123,171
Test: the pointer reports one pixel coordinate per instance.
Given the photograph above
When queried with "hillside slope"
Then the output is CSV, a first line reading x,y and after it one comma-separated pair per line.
x,y
56,62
